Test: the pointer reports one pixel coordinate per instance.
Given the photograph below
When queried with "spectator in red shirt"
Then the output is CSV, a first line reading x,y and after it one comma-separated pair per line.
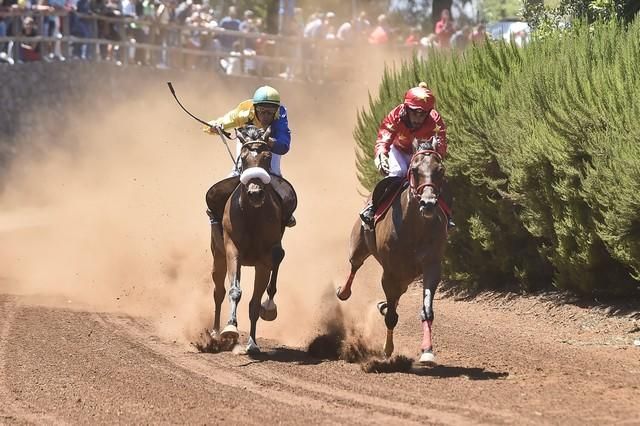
x,y
414,37
444,28
29,51
380,34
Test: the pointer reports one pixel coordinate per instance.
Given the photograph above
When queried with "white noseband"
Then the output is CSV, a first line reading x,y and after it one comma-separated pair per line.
x,y
255,172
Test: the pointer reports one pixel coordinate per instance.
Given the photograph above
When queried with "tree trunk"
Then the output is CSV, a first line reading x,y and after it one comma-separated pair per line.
x,y
271,24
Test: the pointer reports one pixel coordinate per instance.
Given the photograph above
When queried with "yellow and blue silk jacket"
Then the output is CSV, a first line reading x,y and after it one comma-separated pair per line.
x,y
244,114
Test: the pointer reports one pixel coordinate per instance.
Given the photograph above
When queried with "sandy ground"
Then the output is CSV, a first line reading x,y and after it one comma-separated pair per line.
x,y
105,283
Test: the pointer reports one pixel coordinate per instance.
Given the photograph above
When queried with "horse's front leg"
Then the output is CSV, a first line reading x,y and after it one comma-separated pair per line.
x,y
269,310
235,293
259,286
390,310
430,281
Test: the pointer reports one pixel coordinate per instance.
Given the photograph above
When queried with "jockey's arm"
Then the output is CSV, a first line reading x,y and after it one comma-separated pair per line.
x,y
387,133
281,133
441,132
237,117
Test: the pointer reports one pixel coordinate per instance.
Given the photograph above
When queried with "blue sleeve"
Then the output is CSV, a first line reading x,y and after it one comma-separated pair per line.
x,y
281,133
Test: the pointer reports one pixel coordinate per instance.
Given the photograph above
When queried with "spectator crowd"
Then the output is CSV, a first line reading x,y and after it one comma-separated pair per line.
x,y
193,34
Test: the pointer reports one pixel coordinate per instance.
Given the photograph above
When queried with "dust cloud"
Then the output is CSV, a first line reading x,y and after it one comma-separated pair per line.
x,y
106,211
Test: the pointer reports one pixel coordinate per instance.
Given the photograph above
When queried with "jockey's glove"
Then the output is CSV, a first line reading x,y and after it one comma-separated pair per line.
x,y
382,163
214,129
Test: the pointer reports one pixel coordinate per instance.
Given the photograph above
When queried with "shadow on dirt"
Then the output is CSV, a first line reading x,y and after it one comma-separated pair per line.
x,y
447,371
283,354
606,305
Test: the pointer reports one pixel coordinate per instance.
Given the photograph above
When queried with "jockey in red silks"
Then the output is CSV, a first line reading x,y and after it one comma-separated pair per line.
x,y
415,118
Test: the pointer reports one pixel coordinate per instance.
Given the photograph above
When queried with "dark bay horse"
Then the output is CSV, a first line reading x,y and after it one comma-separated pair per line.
x,y
408,241
253,219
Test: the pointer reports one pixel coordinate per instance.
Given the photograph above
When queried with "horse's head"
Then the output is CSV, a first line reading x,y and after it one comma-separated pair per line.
x,y
425,175
255,157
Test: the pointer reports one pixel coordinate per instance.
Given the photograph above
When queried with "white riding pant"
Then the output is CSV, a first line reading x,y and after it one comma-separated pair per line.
x,y
398,162
275,163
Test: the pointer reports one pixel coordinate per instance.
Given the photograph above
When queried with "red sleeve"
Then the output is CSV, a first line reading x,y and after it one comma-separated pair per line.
x,y
441,131
388,131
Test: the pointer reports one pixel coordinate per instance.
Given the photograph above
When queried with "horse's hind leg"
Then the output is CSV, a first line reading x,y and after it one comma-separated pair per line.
x,y
358,253
391,291
269,310
259,286
218,274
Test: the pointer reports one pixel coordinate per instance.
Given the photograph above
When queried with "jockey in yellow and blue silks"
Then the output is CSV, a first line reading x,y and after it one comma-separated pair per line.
x,y
262,111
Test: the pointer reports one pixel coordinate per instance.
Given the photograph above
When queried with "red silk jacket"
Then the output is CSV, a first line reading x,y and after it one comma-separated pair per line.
x,y
394,131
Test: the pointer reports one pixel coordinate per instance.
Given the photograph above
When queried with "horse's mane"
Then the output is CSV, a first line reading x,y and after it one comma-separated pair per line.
x,y
251,133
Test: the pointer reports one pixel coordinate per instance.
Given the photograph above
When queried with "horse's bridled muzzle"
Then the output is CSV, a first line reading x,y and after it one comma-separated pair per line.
x,y
428,207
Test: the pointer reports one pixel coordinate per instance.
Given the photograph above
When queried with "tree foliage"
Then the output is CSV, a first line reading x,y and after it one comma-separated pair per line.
x,y
547,18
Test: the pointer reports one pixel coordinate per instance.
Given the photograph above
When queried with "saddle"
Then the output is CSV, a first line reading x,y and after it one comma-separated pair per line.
x,y
384,194
219,193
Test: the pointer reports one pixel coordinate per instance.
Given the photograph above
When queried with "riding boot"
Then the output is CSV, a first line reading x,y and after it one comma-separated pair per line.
x,y
367,215
213,220
450,224
216,230
447,197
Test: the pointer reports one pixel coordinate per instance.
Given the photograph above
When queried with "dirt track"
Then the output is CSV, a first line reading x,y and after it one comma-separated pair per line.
x,y
100,297
496,366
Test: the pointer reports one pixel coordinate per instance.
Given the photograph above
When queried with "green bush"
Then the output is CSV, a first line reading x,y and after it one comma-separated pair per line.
x,y
544,157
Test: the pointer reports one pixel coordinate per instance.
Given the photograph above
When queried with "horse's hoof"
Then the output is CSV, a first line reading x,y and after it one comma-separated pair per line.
x,y
382,308
427,358
230,332
344,296
252,347
388,350
268,310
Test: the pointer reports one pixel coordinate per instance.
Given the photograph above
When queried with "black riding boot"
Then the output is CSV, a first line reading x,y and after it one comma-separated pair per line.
x,y
447,197
213,220
367,215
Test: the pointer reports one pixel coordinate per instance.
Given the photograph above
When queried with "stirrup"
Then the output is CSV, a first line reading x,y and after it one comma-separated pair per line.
x,y
367,221
451,225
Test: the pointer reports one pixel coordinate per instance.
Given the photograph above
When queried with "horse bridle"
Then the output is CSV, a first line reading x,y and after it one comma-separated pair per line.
x,y
258,142
416,191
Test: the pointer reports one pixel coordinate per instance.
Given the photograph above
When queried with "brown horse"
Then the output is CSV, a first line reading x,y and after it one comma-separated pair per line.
x,y
409,240
253,218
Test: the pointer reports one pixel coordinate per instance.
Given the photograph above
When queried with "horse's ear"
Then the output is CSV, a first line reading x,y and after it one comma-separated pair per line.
x,y
241,138
267,133
434,141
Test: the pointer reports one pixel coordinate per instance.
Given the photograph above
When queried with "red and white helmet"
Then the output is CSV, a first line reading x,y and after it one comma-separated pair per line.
x,y
420,98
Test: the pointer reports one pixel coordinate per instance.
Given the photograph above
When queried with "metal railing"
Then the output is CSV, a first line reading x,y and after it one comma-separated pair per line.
x,y
140,41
